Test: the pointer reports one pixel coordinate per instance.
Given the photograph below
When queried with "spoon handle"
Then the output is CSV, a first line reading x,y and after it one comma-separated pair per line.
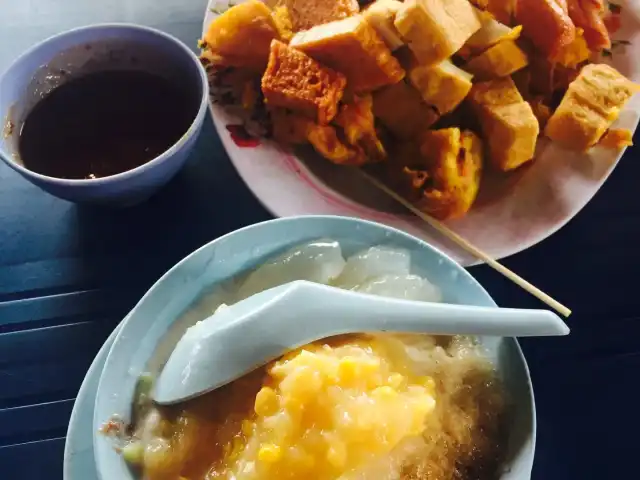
x,y
369,313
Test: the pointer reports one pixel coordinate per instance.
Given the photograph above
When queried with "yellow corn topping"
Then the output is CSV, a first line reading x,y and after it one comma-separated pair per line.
x,y
326,410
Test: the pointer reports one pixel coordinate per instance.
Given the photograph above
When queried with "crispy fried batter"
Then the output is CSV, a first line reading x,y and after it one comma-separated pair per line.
x,y
325,141
400,108
589,15
617,138
353,47
546,23
358,124
447,183
295,81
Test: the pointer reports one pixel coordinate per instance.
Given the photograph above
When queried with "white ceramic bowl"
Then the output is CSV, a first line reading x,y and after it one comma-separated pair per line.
x,y
181,287
101,47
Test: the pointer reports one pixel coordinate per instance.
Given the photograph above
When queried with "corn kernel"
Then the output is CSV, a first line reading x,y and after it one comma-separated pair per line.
x,y
337,455
386,392
395,380
348,369
266,402
269,453
247,427
429,383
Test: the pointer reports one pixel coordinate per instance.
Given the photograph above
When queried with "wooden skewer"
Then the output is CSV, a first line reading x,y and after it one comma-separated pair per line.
x,y
476,252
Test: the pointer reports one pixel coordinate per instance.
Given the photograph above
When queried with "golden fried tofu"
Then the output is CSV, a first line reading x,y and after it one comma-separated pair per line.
x,y
491,32
400,108
443,86
358,124
508,123
352,47
500,60
325,141
502,10
546,23
436,29
241,36
305,14
448,183
295,81
381,15
589,107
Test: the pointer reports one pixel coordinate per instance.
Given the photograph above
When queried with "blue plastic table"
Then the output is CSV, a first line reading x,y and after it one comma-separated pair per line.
x,y
68,275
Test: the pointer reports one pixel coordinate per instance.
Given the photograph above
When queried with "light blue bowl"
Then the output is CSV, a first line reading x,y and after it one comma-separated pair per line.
x,y
101,47
247,248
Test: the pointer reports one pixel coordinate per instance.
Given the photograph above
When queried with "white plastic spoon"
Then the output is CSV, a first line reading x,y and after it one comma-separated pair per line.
x,y
261,328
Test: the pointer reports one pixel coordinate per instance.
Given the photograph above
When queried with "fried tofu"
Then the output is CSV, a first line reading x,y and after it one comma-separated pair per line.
x,y
617,138
400,108
589,107
295,81
500,60
241,36
381,15
490,33
305,14
508,123
436,29
546,23
447,184
352,47
443,86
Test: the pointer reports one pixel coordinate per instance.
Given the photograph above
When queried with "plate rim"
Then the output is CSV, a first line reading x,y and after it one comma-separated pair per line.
x,y
93,373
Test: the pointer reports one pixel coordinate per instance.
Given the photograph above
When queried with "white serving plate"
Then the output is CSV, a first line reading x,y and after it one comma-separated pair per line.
x,y
514,213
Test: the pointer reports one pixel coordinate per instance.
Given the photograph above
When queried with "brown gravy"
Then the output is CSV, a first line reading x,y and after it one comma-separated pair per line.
x,y
103,124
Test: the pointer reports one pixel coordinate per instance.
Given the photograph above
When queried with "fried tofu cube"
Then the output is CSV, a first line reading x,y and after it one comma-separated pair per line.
x,y
352,47
592,102
448,183
400,108
381,15
490,33
443,86
295,81
508,123
241,36
305,14
500,60
436,29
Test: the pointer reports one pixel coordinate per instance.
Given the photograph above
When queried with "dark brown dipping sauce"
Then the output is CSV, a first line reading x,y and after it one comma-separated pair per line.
x,y
103,124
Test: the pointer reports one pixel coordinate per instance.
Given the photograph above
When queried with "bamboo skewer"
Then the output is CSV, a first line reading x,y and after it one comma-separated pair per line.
x,y
464,244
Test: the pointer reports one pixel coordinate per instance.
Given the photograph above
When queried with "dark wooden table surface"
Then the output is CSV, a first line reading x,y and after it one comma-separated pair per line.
x,y
68,275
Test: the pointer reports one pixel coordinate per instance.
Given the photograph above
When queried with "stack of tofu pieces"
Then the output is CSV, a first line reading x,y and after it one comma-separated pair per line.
x,y
330,71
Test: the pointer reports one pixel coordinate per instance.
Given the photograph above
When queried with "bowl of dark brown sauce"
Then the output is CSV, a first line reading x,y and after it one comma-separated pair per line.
x,y
103,114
